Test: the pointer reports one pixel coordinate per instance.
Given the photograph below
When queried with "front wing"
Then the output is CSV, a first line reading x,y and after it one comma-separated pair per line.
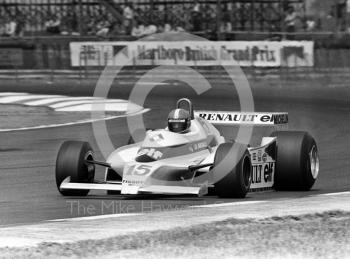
x,y
118,186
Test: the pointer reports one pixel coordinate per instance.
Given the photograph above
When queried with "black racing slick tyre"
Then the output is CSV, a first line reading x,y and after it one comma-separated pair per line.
x,y
71,162
234,178
297,162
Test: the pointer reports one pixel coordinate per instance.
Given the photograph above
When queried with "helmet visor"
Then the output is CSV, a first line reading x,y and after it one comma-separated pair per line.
x,y
177,125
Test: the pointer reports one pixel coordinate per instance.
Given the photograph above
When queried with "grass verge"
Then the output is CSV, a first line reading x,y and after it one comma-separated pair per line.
x,y
324,235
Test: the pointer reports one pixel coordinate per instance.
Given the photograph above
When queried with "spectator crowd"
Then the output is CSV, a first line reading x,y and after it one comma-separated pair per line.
x,y
144,19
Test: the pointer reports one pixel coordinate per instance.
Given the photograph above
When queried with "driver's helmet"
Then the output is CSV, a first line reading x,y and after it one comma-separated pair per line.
x,y
179,121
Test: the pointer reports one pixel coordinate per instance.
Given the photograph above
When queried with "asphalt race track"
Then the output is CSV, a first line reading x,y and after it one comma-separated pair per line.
x,y
28,191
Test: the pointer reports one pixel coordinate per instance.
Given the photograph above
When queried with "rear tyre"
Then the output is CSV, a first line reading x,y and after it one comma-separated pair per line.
x,y
297,161
237,179
71,162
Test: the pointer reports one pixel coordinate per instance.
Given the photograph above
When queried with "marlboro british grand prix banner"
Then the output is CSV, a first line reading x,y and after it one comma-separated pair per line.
x,y
195,53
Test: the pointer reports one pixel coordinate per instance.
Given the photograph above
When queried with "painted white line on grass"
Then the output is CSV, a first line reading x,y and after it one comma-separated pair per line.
x,y
141,83
69,102
19,98
106,216
334,194
216,205
112,107
52,99
64,103
75,123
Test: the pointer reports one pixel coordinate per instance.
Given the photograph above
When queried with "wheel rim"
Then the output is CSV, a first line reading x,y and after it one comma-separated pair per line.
x,y
314,162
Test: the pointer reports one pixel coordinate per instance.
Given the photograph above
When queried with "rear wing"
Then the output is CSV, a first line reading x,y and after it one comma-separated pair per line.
x,y
244,118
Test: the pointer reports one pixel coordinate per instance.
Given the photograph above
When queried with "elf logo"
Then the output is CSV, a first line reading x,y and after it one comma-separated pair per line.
x,y
263,173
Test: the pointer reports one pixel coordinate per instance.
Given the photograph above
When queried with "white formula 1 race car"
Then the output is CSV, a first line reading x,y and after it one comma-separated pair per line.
x,y
190,156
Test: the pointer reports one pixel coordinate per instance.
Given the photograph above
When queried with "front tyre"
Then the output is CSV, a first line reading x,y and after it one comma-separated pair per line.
x,y
71,162
237,179
297,161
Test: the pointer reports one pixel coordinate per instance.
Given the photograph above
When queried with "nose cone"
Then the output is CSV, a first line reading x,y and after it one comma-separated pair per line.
x,y
121,156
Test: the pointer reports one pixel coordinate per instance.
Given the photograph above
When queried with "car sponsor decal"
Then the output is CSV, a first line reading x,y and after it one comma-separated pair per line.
x,y
262,173
263,165
135,175
157,138
133,182
198,146
227,118
260,156
139,170
151,152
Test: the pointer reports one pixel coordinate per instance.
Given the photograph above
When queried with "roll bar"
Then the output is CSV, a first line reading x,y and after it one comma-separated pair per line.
x,y
189,105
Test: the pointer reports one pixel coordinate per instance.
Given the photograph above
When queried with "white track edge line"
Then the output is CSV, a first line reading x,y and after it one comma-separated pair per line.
x,y
75,123
216,205
106,216
334,194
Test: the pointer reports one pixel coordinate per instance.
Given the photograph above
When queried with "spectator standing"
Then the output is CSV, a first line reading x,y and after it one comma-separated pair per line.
x,y
213,20
179,28
150,29
128,15
310,24
53,24
290,21
161,15
167,15
196,17
206,16
167,28
69,23
2,27
10,27
225,25
103,28
329,22
21,22
340,10
116,29
138,30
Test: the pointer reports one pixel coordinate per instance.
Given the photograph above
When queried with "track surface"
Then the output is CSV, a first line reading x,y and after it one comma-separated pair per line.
x,y
27,186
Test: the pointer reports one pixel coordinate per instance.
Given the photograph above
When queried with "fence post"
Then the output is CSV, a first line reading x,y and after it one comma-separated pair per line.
x,y
39,55
16,72
328,65
195,63
80,18
218,19
80,66
50,65
85,63
134,63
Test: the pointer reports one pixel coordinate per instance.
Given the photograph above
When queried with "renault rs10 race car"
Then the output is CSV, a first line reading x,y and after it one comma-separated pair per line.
x,y
190,156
